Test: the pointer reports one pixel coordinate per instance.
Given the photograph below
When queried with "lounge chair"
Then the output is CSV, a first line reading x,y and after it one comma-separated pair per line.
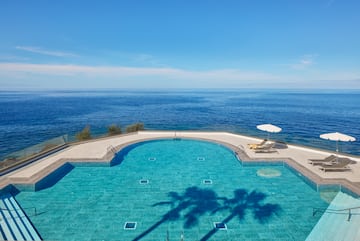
x,y
253,146
267,148
330,162
264,146
325,160
340,165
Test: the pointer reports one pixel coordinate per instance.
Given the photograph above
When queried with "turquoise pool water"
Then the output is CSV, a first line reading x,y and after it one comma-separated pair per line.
x,y
191,185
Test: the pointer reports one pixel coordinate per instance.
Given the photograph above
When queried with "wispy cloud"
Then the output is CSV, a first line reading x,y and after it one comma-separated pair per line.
x,y
12,58
42,51
133,77
121,71
161,77
305,62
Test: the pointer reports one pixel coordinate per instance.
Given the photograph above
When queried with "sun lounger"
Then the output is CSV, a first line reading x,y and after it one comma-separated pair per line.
x,y
264,146
253,146
330,162
267,148
340,165
325,160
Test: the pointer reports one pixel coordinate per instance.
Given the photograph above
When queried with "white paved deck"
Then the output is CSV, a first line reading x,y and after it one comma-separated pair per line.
x,y
97,150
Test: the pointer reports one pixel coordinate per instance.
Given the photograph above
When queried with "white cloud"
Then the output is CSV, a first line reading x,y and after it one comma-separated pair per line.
x,y
38,50
121,71
73,76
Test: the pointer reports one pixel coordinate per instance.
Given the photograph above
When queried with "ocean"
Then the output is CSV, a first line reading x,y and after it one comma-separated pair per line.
x,y
28,118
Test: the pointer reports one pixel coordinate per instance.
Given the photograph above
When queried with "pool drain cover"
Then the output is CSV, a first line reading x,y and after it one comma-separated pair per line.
x,y
207,181
152,159
200,158
144,181
220,225
130,225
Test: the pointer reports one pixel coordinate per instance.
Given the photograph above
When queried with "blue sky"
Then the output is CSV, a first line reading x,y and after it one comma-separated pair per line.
x,y
180,44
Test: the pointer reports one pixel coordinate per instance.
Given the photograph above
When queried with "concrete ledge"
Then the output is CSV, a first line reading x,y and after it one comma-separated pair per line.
x,y
98,151
27,161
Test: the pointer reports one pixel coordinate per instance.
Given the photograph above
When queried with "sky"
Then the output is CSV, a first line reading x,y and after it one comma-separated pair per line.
x,y
291,44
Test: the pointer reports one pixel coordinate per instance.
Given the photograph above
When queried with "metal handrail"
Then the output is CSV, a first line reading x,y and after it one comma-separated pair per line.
x,y
337,211
11,210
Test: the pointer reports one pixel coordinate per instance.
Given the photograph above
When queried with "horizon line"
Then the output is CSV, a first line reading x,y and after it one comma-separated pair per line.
x,y
30,89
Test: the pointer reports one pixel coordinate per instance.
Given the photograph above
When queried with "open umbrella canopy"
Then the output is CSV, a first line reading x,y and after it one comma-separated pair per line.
x,y
336,136
269,128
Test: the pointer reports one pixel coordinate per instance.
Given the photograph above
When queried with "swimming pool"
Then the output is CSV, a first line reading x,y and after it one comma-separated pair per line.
x,y
174,189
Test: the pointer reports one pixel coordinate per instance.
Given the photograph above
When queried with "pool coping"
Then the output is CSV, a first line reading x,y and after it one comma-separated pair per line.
x,y
239,151
316,179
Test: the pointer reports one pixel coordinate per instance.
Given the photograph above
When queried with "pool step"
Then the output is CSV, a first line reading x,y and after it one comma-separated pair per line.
x,y
336,227
14,224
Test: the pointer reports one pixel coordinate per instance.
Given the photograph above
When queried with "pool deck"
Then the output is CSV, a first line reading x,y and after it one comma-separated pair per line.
x,y
99,150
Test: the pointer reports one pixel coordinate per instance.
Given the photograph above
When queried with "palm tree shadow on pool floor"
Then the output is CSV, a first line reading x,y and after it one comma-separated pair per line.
x,y
196,202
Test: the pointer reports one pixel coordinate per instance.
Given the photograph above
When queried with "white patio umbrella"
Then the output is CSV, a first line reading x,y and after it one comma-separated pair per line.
x,y
269,128
336,136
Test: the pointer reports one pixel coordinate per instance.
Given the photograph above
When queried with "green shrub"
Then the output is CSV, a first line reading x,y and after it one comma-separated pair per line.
x,y
84,134
114,130
135,127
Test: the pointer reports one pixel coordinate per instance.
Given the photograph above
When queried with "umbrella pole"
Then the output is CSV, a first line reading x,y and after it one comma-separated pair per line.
x,y
337,151
337,146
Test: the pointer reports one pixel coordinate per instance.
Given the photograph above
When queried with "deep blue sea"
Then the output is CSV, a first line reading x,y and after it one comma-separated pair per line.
x,y
27,118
